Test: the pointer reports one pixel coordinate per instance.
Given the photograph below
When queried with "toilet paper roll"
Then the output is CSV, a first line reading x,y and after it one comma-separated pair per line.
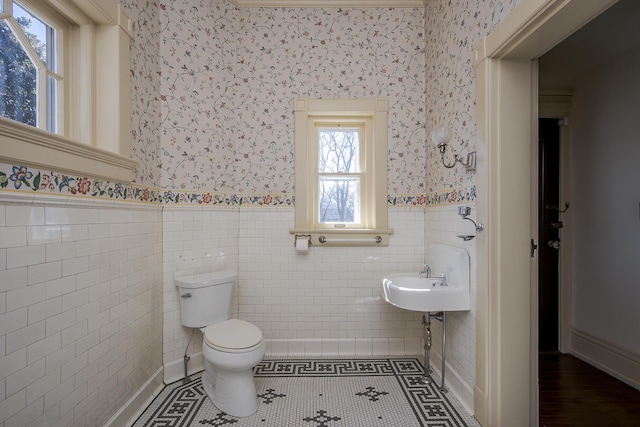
x,y
302,244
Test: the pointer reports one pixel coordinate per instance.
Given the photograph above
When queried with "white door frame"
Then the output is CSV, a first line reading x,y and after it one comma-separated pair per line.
x,y
505,393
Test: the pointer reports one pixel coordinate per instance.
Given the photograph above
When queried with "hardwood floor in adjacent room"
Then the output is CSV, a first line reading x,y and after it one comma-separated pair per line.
x,y
574,393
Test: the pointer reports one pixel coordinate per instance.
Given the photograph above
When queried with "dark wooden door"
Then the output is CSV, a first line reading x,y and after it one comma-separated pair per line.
x,y
549,236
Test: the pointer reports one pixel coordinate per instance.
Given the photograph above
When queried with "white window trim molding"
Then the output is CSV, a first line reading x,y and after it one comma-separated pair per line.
x,y
98,124
378,233
24,145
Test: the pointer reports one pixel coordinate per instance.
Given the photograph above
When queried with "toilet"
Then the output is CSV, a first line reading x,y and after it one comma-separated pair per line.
x,y
231,347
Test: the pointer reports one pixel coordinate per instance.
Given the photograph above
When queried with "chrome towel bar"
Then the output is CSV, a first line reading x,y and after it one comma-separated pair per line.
x,y
323,239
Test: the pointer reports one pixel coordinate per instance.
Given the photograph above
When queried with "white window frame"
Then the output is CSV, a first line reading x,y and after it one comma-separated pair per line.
x,y
373,115
96,126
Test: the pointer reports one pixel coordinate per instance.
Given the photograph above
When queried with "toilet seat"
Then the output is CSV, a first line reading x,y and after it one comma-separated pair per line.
x,y
233,336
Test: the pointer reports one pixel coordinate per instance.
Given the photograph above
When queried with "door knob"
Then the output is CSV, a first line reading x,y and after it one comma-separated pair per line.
x,y
557,225
555,244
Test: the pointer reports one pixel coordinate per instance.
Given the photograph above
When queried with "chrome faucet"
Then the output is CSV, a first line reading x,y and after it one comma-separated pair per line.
x,y
443,279
427,274
426,271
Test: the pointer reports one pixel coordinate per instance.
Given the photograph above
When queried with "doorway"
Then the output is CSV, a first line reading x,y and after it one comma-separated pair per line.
x,y
506,100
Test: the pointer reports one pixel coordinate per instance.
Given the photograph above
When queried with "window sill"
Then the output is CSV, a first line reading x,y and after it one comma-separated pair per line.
x,y
25,145
329,237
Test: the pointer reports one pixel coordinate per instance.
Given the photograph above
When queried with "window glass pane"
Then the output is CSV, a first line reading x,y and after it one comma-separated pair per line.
x,y
339,200
338,150
36,31
18,80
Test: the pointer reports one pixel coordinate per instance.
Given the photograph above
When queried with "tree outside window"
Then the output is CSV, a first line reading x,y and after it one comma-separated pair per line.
x,y
339,173
27,55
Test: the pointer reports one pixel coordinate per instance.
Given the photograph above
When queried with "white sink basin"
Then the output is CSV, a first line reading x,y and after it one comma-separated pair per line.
x,y
413,292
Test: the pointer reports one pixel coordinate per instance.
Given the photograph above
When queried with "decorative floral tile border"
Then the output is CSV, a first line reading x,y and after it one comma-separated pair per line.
x,y
173,197
26,179
406,200
452,195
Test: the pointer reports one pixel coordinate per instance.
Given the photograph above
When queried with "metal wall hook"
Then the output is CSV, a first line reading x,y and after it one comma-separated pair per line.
x,y
479,227
556,208
464,212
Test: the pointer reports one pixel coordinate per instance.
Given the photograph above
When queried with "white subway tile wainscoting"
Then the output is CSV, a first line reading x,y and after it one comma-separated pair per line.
x,y
80,308
90,319
325,302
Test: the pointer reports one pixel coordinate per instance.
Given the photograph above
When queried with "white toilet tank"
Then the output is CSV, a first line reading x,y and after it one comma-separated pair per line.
x,y
205,299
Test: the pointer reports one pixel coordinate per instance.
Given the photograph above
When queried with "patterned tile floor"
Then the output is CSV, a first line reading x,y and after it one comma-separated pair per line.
x,y
319,393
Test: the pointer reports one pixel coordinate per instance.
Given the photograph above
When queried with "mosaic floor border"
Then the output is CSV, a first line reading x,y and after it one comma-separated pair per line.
x,y
319,393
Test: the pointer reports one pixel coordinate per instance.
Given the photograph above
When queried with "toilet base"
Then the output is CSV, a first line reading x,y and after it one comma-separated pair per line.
x,y
231,389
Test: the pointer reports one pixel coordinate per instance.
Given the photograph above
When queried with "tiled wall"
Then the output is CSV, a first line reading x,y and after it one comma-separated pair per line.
x,y
328,300
195,240
442,225
325,301
80,308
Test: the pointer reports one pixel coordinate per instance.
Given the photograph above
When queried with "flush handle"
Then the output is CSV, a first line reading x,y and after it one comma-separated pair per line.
x,y
187,295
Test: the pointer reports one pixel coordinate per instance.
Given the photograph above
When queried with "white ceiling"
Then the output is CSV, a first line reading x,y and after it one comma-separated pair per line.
x,y
611,33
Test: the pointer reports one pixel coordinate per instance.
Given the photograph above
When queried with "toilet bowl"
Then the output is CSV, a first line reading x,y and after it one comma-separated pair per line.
x,y
231,350
231,347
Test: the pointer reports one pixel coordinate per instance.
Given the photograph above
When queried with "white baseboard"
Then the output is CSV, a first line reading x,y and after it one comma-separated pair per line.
x,y
311,347
454,383
347,347
174,371
132,409
619,362
479,406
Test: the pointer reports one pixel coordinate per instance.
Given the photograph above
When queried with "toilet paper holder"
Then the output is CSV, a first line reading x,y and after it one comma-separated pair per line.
x,y
302,236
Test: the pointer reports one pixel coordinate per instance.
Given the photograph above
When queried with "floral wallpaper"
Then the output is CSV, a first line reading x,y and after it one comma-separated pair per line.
x,y
327,53
145,89
229,78
212,88
453,28
198,62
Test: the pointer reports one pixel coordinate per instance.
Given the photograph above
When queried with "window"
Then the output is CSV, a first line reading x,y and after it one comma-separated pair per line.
x,y
341,171
64,86
29,72
340,174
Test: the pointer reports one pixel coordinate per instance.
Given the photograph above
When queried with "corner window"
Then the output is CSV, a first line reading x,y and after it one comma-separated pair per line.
x,y
29,72
341,171
64,86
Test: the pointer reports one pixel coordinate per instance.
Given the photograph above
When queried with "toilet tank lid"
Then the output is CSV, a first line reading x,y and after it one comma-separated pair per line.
x,y
206,279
